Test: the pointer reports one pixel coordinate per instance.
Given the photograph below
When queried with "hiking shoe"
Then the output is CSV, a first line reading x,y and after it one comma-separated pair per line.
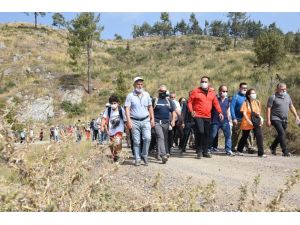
x,y
145,160
263,156
239,153
168,155
164,159
207,155
199,155
250,150
287,154
273,151
230,153
116,158
137,163
158,157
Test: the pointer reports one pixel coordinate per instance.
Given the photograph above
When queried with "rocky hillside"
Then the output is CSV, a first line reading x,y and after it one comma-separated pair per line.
x,y
36,77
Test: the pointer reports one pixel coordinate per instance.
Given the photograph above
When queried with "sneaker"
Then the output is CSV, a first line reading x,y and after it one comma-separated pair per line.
x,y
199,155
168,155
207,155
239,153
287,154
230,153
215,149
137,163
164,159
145,160
273,151
263,156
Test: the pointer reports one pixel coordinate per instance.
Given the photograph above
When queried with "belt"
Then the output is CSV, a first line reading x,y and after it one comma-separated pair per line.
x,y
161,121
141,119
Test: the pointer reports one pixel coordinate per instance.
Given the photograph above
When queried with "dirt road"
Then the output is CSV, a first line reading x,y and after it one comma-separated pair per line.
x,y
229,173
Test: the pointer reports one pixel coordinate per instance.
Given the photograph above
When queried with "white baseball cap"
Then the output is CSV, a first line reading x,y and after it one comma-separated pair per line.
x,y
137,78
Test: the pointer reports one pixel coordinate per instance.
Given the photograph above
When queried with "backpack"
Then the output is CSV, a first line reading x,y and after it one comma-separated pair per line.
x,y
156,100
120,112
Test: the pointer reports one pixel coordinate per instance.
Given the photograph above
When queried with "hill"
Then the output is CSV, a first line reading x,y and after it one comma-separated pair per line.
x,y
36,76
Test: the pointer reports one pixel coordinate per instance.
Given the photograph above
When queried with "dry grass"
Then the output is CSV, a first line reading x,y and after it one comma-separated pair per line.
x,y
77,177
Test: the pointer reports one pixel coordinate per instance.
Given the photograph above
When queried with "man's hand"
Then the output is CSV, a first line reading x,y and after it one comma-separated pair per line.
x,y
221,116
268,123
129,124
152,123
172,123
235,122
193,114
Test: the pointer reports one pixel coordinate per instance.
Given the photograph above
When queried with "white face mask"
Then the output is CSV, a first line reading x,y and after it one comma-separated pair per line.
x,y
253,96
204,85
243,92
138,90
224,94
114,106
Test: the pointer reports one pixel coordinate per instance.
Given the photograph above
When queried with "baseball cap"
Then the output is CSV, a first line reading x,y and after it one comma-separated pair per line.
x,y
137,78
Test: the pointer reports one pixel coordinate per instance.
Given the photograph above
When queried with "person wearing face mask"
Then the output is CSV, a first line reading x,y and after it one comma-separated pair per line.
x,y
236,115
113,121
200,105
278,107
140,119
162,109
250,108
217,124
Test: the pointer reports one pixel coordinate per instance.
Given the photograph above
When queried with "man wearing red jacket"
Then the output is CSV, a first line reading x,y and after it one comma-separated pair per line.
x,y
200,104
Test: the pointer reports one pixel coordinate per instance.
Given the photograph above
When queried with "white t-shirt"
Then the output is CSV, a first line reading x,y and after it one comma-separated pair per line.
x,y
114,115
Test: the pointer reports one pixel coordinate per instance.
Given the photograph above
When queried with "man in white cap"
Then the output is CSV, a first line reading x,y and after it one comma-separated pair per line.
x,y
140,119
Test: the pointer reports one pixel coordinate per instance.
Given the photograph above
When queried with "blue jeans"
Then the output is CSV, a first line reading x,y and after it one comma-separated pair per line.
x,y
138,128
215,127
102,136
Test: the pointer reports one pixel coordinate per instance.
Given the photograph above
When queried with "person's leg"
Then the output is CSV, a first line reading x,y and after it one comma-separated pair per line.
x,y
199,135
236,131
205,141
136,138
227,135
281,136
160,139
165,129
213,133
186,135
216,141
146,136
243,140
259,140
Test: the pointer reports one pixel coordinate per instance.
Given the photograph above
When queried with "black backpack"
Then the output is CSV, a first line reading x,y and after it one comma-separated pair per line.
x,y
120,112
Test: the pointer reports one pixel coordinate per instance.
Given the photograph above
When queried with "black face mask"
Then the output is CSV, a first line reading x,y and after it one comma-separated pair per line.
x,y
162,95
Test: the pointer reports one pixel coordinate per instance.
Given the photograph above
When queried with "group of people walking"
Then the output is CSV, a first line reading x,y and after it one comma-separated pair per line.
x,y
204,113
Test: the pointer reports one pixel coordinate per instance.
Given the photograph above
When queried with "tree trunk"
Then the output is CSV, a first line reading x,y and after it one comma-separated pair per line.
x,y
234,42
35,20
89,68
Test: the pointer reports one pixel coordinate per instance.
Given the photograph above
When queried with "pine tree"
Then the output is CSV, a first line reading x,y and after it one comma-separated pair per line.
x,y
83,31
237,22
296,44
58,20
121,89
269,48
194,25
36,14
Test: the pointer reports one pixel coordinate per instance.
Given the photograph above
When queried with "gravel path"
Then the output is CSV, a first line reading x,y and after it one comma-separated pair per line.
x,y
228,173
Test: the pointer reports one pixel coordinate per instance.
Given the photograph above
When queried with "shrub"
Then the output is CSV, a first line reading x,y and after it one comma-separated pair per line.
x,y
73,109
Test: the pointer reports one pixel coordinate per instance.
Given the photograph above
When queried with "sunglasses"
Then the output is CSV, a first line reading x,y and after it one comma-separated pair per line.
x,y
224,91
